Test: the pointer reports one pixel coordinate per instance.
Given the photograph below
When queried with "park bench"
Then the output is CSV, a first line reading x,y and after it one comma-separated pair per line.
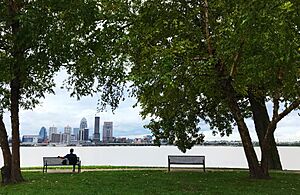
x,y
56,161
186,160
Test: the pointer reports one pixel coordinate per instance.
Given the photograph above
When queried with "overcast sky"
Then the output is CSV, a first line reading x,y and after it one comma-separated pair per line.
x,y
60,110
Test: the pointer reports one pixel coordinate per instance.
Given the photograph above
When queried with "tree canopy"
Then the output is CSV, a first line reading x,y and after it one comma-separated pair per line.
x,y
37,39
200,61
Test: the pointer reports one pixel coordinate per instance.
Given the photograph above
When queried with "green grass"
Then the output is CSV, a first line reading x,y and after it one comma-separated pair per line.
x,y
154,182
88,167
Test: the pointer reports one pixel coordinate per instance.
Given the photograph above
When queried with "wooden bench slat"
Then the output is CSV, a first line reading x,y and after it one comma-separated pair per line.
x,y
186,160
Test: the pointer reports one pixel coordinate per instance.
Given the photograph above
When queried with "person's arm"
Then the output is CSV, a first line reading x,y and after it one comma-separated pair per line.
x,y
63,157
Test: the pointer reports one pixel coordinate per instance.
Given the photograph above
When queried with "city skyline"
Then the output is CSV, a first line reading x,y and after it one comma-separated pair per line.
x,y
45,132
61,110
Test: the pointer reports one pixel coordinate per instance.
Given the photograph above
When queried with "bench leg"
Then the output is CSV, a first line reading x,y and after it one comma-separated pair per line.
x,y
168,167
79,168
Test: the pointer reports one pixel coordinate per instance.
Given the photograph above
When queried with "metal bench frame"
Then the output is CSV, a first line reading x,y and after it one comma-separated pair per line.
x,y
186,160
55,161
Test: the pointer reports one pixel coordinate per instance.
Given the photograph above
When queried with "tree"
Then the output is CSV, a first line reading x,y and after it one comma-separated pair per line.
x,y
217,62
22,81
37,39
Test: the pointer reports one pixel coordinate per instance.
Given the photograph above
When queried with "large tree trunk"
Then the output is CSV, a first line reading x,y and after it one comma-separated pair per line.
x,y
266,146
262,121
255,169
6,169
15,85
16,175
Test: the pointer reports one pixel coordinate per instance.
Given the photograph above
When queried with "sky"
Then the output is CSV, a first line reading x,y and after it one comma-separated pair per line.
x,y
60,110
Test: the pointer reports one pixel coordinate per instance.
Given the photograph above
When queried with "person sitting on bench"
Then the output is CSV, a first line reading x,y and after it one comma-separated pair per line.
x,y
72,158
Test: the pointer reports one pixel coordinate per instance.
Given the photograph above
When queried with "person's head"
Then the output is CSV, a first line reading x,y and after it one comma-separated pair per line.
x,y
71,150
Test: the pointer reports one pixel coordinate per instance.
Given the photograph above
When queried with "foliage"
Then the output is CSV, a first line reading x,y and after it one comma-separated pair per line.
x,y
37,38
172,71
102,67
267,35
81,36
254,44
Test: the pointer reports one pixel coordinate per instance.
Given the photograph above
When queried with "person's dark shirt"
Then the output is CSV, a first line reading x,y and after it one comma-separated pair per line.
x,y
72,158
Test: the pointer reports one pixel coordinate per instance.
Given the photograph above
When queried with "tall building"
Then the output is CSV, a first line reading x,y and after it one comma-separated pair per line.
x,y
83,123
66,136
55,137
43,134
83,130
97,130
68,129
52,130
76,133
107,135
86,134
83,135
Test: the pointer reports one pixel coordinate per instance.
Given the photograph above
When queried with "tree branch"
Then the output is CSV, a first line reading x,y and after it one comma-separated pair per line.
x,y
289,109
207,33
277,117
236,59
275,108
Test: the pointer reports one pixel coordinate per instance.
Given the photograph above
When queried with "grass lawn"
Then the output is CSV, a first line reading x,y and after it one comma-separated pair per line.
x,y
154,182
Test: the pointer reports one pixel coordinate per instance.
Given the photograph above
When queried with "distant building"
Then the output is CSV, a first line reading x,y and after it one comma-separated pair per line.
x,y
55,138
33,139
121,140
52,130
86,134
107,135
76,133
66,136
97,130
73,138
148,139
68,129
43,134
83,131
83,135
83,123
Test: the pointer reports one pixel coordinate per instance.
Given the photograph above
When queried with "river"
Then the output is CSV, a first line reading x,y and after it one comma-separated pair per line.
x,y
153,156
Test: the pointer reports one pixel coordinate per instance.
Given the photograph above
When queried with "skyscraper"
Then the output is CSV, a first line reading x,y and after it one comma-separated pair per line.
x,y
107,135
66,136
68,129
52,130
43,134
97,130
76,133
83,135
83,131
83,123
86,134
